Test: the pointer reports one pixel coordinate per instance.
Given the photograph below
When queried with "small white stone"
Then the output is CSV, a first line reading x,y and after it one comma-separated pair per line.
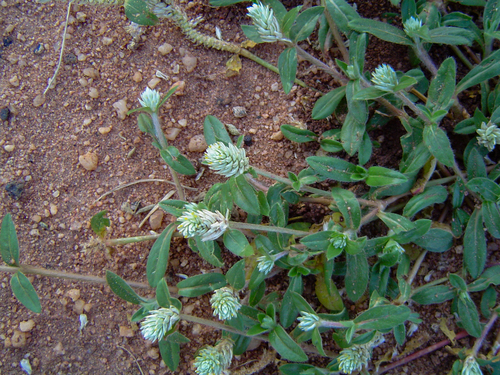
x,y
53,209
9,148
89,161
182,122
107,41
165,49
39,100
197,143
105,129
278,136
154,82
172,133
82,81
239,112
91,73
275,86
121,108
190,63
93,93
14,81
181,85
137,77
27,325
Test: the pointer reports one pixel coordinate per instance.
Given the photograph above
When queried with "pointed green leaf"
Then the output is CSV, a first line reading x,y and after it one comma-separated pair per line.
x,y
170,353
436,240
383,317
236,275
442,88
357,275
469,316
287,65
198,285
380,176
491,217
349,207
208,250
122,289
488,68
305,23
244,195
236,242
328,103
433,295
438,144
475,244
341,13
285,346
158,256
429,197
99,222
298,135
138,11
395,222
489,190
381,30
9,245
24,292
215,131
163,294
336,169
451,35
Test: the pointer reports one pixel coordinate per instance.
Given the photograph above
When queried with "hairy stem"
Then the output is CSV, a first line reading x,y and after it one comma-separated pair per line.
x,y
486,330
126,240
425,58
267,228
335,32
321,65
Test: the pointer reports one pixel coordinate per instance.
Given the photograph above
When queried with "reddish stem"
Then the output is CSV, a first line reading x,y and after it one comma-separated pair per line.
x,y
421,353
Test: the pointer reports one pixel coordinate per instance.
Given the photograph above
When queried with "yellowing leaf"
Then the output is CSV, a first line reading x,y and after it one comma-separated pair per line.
x,y
248,44
444,328
233,66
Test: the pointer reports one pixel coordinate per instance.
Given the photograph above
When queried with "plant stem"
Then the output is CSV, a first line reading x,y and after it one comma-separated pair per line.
x,y
267,228
462,57
486,330
126,240
416,267
320,64
432,283
425,58
335,32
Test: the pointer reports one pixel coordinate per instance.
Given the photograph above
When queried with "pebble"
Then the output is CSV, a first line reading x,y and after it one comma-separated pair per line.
x,y
89,161
93,93
7,41
181,85
78,306
91,73
34,232
172,133
197,143
275,86
4,114
121,108
39,100
15,189
153,353
107,41
126,332
278,136
18,339
105,129
165,49
39,49
182,122
137,77
36,218
82,81
154,82
14,81
239,112
58,349
232,129
70,59
9,148
189,62
81,17
156,219
27,325
248,140
53,209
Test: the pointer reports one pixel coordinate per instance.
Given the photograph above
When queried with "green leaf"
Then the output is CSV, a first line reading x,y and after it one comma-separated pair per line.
x,y
491,217
357,275
418,157
305,23
341,13
145,123
354,125
99,222
252,33
317,241
429,197
469,316
24,292
163,294
436,240
298,135
236,275
405,82
215,131
336,169
224,3
236,242
287,65
9,245
285,346
442,88
170,353
198,285
489,190
173,207
422,226
348,206
209,250
328,103
451,35
177,161
395,222
438,144
489,276
488,68
122,289
158,256
138,11
244,195
380,176
475,164
381,30
289,19
457,282
369,93
475,244
288,310
433,295
383,317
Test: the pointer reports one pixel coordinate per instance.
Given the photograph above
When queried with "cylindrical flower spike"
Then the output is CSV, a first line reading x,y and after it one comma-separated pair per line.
x,y
200,222
226,160
471,367
265,264
214,360
354,358
308,321
489,135
150,99
225,303
384,78
159,322
266,23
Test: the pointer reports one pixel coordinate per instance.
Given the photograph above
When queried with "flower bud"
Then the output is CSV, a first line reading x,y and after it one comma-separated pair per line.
x,y
225,304
226,160
159,322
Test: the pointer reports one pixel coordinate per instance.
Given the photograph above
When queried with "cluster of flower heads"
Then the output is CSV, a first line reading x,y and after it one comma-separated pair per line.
x,y
385,78
150,99
159,322
489,135
226,160
201,222
266,23
225,303
214,360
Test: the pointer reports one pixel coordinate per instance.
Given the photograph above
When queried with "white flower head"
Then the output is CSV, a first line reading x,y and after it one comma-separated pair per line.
x,y
225,303
385,78
489,135
200,222
214,360
150,99
471,367
266,23
411,26
354,358
159,322
338,240
308,321
265,264
227,160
